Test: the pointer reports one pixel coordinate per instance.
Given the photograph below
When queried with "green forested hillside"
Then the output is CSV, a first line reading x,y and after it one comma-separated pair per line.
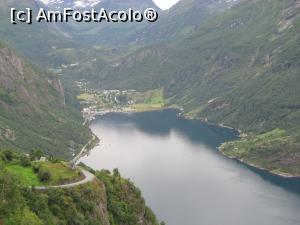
x,y
33,112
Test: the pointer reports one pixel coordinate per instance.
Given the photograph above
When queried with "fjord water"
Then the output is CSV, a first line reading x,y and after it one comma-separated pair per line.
x,y
183,177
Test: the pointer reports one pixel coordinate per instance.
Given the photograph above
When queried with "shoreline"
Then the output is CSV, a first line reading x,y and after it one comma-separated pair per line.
x,y
90,118
262,169
220,125
243,134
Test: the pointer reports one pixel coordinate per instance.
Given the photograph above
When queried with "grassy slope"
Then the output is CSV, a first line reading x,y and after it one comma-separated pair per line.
x,y
25,174
149,100
240,68
59,174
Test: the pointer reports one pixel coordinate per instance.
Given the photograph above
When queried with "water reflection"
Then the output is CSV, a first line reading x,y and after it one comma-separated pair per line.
x,y
168,122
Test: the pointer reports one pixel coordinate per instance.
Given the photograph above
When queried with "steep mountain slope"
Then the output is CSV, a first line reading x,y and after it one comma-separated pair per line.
x,y
240,69
33,113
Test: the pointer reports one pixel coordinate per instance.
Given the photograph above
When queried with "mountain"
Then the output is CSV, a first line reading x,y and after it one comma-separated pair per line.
x,y
122,39
54,44
178,21
104,33
33,112
239,68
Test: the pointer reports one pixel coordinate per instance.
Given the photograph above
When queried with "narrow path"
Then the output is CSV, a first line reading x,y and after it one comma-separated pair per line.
x,y
88,178
82,152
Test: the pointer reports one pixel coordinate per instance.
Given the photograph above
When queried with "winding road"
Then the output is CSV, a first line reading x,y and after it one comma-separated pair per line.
x,y
88,178
83,151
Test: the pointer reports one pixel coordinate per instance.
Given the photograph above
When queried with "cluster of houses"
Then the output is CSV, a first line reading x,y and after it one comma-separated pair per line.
x,y
93,108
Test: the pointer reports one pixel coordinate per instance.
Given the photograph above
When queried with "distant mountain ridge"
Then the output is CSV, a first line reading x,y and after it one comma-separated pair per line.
x,y
41,42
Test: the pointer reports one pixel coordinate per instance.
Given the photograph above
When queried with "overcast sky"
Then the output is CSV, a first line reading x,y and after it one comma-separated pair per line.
x,y
163,4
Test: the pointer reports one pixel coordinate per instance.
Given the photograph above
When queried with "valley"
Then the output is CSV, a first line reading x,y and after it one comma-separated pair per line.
x,y
160,97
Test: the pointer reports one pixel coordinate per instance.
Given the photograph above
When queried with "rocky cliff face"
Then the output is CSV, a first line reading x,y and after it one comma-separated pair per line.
x,y
20,82
58,86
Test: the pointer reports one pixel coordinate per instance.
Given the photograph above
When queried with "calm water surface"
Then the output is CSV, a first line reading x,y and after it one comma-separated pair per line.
x,y
183,177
